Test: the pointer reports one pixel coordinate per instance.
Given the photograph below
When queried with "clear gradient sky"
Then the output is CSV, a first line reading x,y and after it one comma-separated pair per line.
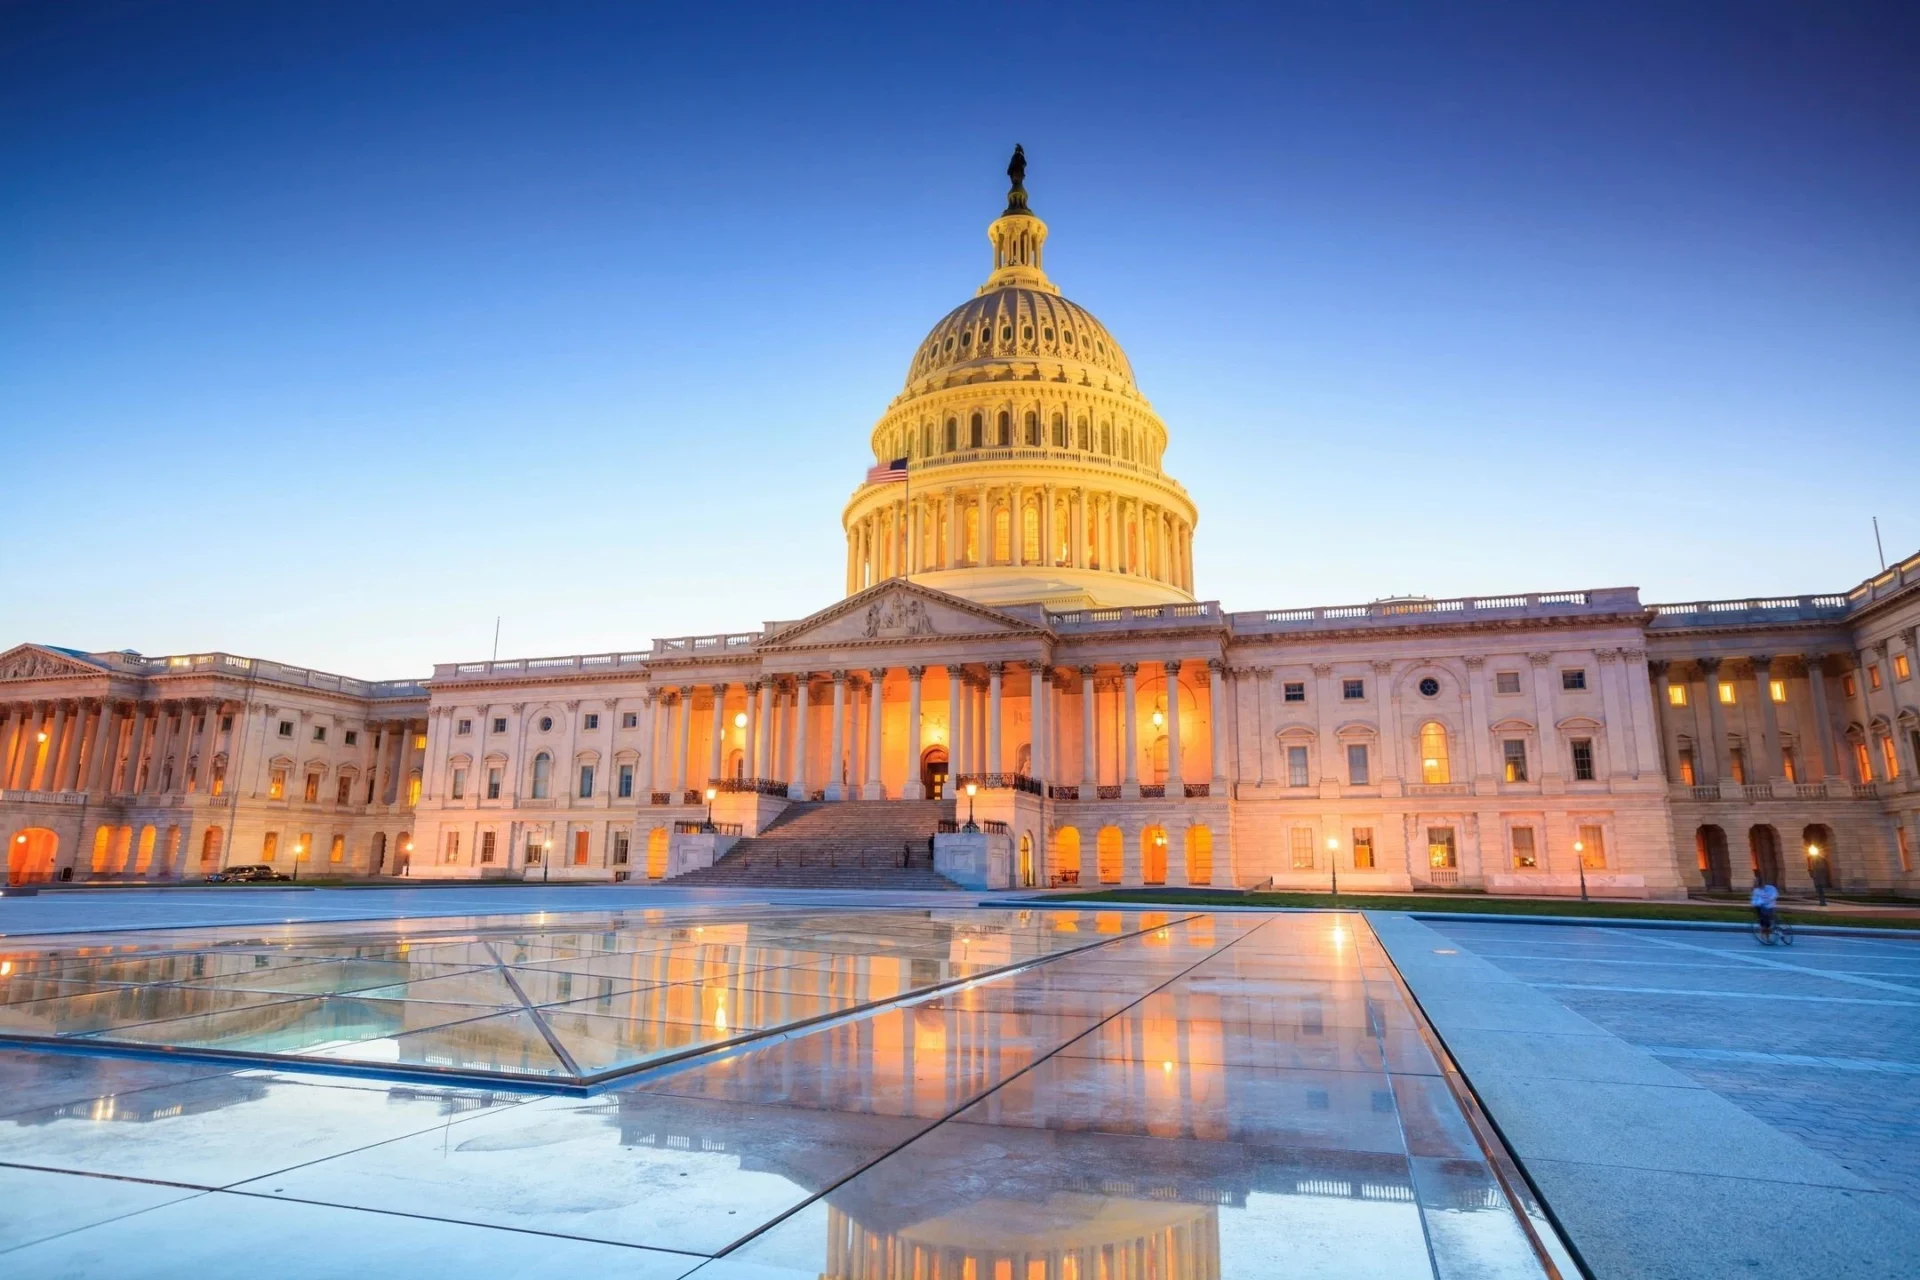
x,y
330,331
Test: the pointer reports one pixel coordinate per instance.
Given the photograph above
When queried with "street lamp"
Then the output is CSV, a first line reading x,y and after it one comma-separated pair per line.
x,y
1580,863
1333,862
971,824
407,849
1819,870
711,793
298,849
546,858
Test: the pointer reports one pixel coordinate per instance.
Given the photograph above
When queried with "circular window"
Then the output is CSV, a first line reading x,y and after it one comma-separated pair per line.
x,y
546,724
1429,687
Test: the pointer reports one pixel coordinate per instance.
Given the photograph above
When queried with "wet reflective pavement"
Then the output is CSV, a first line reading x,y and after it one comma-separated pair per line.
x,y
975,1094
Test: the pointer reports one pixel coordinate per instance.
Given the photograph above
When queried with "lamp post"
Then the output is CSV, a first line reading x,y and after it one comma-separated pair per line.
x,y
971,824
1333,862
407,849
1580,864
708,824
1819,870
298,849
546,857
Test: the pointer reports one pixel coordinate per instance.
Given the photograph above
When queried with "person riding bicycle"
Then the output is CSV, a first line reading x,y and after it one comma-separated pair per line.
x,y
1762,900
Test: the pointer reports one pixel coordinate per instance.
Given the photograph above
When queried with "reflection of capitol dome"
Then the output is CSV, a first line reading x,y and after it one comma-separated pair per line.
x,y
1032,461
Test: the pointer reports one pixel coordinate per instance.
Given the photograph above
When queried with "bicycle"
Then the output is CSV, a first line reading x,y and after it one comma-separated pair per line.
x,y
1781,934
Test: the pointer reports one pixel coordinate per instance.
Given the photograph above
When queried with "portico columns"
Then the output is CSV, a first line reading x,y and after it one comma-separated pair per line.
x,y
72,742
1715,727
1037,763
683,758
47,763
1176,779
719,692
1662,699
103,745
797,782
136,739
875,789
1089,742
1822,715
1217,723
994,758
836,766
1767,758
763,757
956,730
914,788
1130,777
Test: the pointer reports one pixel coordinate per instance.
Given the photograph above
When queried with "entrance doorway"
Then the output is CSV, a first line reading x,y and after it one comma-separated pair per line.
x,y
933,772
30,855
1710,847
1026,861
1153,855
1821,868
1764,842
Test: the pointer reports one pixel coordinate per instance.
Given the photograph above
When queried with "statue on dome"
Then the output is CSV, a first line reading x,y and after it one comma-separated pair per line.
x,y
1017,174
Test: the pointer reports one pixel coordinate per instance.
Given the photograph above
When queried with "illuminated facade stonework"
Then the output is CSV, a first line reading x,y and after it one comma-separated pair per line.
x,y
1020,612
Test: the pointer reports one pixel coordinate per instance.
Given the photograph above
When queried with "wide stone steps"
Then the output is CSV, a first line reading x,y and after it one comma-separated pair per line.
x,y
884,844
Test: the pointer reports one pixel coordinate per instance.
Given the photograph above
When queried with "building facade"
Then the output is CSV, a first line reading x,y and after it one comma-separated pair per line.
x,y
1020,614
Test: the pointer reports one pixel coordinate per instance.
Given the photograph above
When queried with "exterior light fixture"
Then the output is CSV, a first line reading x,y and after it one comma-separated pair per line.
x,y
739,719
1333,862
711,793
1580,861
971,824
1159,719
40,737
1819,870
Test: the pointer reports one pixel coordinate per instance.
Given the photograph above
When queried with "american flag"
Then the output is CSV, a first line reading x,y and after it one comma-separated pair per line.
x,y
894,472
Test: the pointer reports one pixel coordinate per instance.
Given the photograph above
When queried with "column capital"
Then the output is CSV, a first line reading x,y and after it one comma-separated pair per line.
x,y
1086,673
876,674
914,673
753,688
1217,666
1475,661
1539,659
956,672
1628,654
1322,670
1383,668
1658,667
1761,662
1129,669
1816,663
1607,655
718,688
1707,665
686,695
996,668
839,677
1172,666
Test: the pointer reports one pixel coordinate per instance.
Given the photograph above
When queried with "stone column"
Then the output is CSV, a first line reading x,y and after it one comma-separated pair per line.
x,y
956,729
1766,760
683,756
1262,681
1037,763
763,731
10,745
1323,701
875,789
47,762
914,789
1217,725
1714,730
1822,716
802,695
136,740
1130,766
1546,711
72,743
100,749
837,750
1089,737
1662,699
1176,774
718,732
995,762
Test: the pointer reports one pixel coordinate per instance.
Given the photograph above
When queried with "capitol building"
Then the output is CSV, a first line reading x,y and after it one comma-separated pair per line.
x,y
1024,648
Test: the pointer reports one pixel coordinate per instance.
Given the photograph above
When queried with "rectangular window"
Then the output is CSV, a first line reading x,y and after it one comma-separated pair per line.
x,y
630,720
1777,690
1506,682
219,787
311,794
1890,758
1353,690
1583,759
343,792
1789,767
1902,669
1514,752
626,782
1676,695
493,783
337,851
269,846
621,847
1296,766
1847,686
1524,856
419,742
1862,763
586,781
1873,677
1357,764
319,733
459,789
277,784
353,737
1593,848
453,847
499,724
534,851
303,846
413,790
1737,764
487,846
286,728
463,727
226,724
1686,766
1440,850
580,839
1293,691
1363,848
593,721
1726,693
1300,840
1573,678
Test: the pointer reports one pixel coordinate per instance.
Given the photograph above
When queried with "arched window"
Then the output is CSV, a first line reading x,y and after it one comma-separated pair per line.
x,y
1059,431
1434,768
1006,430
978,436
953,434
1081,440
1033,430
1107,855
1106,438
542,775
1032,549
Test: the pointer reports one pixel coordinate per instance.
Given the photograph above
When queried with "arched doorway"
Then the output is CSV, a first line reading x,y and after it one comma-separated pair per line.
x,y
1710,847
657,853
1764,843
402,854
1199,855
30,855
144,863
1066,855
1153,855
1821,868
1107,851
379,851
1026,860
933,771
211,841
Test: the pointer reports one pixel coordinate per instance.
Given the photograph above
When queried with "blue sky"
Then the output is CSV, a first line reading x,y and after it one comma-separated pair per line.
x,y
329,332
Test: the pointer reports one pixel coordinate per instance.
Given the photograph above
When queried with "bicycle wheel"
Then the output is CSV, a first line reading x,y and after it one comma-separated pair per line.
x,y
1760,935
1783,933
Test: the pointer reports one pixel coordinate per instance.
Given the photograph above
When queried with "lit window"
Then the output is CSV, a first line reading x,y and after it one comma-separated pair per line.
x,y
493,783
1514,752
1357,764
1777,690
459,789
419,742
1573,678
319,733
1583,759
453,846
277,784
1862,763
1363,848
1686,766
1726,692
1301,840
1847,686
342,793
312,791
1506,682
1789,768
1353,690
1433,755
1901,668
269,846
1890,758
1737,764
1296,766
1440,847
1524,857
1676,695
1593,848
413,790
1293,691
463,727
1873,677
592,721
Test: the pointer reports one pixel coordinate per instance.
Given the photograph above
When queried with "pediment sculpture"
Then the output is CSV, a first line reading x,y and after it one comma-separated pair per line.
x,y
898,614
28,663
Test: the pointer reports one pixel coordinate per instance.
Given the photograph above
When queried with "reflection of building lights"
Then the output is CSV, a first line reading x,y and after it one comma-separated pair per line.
x,y
720,1014
6,967
1339,936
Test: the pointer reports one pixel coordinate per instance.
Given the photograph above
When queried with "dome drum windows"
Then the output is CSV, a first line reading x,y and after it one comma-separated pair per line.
x,y
978,436
1005,438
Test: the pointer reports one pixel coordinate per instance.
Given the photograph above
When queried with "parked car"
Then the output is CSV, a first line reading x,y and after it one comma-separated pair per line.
x,y
246,874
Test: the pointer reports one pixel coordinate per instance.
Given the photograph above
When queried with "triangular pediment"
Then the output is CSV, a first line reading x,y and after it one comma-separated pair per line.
x,y
42,662
898,610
